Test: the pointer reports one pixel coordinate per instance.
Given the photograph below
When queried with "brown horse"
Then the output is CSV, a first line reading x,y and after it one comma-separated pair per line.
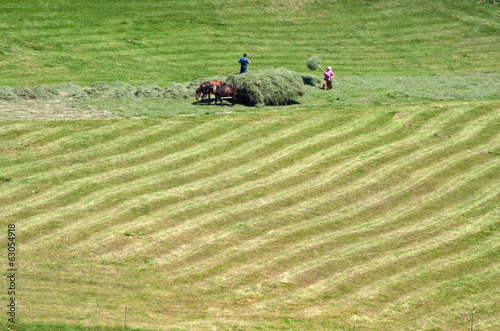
x,y
226,91
204,89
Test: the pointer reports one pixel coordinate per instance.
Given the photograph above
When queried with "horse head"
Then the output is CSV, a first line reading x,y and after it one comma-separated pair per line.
x,y
199,91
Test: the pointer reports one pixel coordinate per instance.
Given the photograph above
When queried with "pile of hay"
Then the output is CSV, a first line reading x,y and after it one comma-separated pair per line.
x,y
97,89
148,91
117,90
120,90
184,91
313,62
45,92
24,93
71,91
269,86
6,93
179,91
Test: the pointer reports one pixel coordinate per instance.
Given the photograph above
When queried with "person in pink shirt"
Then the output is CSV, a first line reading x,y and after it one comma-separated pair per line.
x,y
329,75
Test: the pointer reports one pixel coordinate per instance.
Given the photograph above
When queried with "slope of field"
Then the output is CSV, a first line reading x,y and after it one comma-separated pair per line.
x,y
159,42
384,217
375,204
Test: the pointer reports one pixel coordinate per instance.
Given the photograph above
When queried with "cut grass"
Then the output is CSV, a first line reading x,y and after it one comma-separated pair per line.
x,y
375,203
348,93
268,220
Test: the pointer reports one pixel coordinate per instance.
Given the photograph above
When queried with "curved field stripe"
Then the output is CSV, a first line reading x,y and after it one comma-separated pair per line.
x,y
298,207
313,241
102,148
380,260
435,266
161,175
109,163
414,276
327,215
224,175
276,236
59,151
450,212
265,180
211,199
328,174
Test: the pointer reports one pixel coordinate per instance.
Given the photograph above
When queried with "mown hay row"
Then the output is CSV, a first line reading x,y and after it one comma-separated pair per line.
x,y
117,90
262,88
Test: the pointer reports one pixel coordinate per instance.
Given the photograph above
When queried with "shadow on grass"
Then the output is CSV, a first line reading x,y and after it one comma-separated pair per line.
x,y
211,102
241,102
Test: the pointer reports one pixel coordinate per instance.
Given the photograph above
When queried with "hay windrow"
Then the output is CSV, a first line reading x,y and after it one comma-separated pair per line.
x,y
97,89
71,91
6,93
120,90
148,91
269,87
24,93
45,92
178,91
183,91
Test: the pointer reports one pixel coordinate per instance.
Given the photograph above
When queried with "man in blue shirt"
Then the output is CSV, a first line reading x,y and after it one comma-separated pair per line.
x,y
244,62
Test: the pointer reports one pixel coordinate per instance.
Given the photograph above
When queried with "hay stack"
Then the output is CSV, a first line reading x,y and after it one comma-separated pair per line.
x,y
313,62
269,86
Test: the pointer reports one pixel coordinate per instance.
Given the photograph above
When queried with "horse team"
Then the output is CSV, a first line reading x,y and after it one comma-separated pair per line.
x,y
219,90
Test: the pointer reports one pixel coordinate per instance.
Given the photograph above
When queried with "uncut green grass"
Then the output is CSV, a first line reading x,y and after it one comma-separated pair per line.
x,y
158,42
269,220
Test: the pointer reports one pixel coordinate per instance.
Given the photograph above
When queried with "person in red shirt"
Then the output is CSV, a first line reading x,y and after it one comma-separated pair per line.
x,y
329,75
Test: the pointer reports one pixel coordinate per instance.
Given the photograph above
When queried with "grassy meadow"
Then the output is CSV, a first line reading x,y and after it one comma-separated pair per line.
x,y
373,205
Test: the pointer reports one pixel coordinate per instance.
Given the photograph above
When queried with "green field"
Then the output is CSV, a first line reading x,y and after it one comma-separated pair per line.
x,y
374,205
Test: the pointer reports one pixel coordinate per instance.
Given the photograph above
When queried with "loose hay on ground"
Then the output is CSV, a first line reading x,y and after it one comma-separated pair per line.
x,y
6,93
148,91
97,89
45,92
24,93
178,91
71,91
120,90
